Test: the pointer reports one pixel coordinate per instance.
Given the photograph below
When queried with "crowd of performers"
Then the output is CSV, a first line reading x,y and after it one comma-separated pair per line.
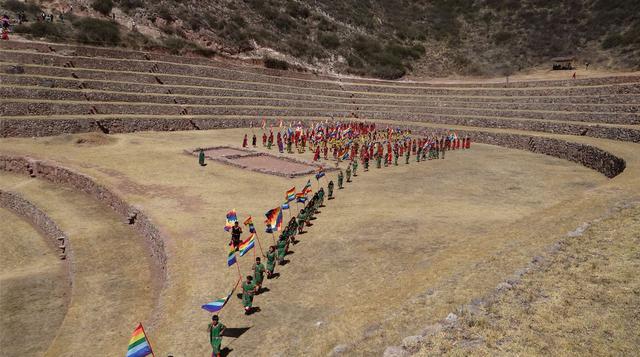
x,y
360,141
351,142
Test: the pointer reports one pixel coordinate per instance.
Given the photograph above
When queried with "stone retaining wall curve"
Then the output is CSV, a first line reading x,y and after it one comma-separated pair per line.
x,y
87,51
346,104
148,83
220,73
57,174
61,108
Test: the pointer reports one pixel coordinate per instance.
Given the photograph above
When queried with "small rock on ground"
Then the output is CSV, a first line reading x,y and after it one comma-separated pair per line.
x,y
412,343
395,351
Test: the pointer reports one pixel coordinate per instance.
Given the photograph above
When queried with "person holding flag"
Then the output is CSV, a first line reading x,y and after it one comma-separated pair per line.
x,y
236,231
271,261
216,329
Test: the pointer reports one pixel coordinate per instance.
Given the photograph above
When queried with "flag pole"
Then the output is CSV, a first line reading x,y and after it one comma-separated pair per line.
x,y
148,340
238,266
273,236
259,244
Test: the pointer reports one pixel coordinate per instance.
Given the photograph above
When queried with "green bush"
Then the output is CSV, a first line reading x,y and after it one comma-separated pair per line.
x,y
174,44
284,22
49,30
165,14
276,63
96,31
297,10
128,5
502,37
329,40
19,6
102,6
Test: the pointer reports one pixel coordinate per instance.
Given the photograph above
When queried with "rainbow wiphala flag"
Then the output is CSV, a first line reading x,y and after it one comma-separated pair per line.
x,y
231,219
247,245
231,258
138,344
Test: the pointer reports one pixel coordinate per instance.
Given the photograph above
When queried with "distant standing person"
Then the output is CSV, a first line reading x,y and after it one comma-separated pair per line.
x,y
201,157
236,231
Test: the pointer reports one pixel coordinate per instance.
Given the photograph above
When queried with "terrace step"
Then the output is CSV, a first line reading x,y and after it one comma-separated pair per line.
x,y
112,285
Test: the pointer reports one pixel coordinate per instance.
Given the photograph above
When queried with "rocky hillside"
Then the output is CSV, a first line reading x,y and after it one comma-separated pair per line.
x,y
380,38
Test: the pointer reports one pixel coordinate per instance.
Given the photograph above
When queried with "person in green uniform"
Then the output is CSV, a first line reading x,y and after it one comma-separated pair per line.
x,y
269,143
282,250
349,173
216,329
330,189
201,157
418,154
292,229
366,164
443,150
406,157
289,150
301,219
395,158
378,161
271,261
355,168
258,272
321,197
340,178
248,290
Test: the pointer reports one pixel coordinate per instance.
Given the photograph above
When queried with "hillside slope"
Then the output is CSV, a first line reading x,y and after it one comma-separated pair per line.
x,y
380,38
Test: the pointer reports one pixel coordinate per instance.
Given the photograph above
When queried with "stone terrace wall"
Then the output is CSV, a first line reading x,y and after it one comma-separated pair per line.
x,y
86,51
221,73
589,156
64,176
195,85
284,108
608,113
41,221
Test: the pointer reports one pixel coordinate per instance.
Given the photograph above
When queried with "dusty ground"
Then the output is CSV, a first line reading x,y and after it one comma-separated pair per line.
x,y
399,247
585,300
34,290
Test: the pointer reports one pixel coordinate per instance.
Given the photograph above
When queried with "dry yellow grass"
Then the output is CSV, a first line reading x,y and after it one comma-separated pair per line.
x,y
33,289
584,300
399,248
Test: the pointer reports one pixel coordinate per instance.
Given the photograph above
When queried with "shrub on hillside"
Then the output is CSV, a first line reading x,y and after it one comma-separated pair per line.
x,y
48,30
16,6
102,6
329,40
174,44
276,63
128,5
96,31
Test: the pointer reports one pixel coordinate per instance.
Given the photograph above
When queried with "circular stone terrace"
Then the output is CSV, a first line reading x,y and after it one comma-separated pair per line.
x,y
103,148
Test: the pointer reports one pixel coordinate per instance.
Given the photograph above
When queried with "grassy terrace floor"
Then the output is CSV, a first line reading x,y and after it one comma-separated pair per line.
x,y
397,248
34,289
583,301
